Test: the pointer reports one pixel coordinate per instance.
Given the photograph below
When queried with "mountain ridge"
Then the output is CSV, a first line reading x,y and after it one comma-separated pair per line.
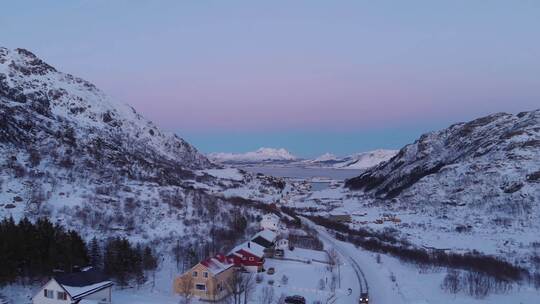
x,y
497,153
70,153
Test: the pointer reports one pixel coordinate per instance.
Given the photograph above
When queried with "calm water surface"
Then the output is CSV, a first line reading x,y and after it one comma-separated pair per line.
x,y
304,173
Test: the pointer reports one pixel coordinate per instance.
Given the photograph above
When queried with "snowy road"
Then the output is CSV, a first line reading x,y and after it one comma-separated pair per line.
x,y
363,285
362,282
381,289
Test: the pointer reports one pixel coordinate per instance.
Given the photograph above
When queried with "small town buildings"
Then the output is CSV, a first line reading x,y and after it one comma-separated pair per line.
x,y
249,256
89,286
208,280
270,221
266,238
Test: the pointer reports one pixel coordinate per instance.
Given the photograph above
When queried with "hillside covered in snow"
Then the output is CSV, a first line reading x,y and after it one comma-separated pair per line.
x,y
471,186
71,153
361,160
492,162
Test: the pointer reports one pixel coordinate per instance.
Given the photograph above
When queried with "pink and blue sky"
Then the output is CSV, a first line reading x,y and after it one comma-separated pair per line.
x,y
309,76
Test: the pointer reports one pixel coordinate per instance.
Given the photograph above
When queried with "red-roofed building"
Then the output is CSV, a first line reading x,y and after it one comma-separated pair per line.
x,y
248,255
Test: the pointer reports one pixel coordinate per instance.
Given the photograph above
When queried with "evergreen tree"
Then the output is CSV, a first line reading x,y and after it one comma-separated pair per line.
x,y
95,253
29,251
149,261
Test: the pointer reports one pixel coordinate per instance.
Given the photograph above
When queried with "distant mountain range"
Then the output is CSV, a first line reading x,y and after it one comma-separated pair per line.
x,y
282,157
361,160
259,156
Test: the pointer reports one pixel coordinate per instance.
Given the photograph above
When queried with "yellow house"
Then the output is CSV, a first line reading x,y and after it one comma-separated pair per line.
x,y
208,280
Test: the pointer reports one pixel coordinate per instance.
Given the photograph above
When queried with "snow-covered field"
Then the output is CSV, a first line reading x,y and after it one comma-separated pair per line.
x,y
392,281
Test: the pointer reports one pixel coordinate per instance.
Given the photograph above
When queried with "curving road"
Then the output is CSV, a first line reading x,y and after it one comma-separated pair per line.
x,y
362,281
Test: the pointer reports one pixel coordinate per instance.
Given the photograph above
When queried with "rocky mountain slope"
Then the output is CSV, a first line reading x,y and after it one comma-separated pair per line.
x,y
491,162
38,101
69,152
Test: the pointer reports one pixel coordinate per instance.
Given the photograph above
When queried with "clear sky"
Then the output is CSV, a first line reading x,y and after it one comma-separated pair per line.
x,y
310,76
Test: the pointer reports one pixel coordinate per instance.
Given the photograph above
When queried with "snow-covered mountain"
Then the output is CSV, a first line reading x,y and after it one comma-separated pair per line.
x,y
326,157
361,160
47,102
261,155
367,159
473,186
282,157
493,160
71,153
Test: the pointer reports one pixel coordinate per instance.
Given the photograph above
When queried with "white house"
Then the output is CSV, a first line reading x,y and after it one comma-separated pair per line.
x,y
88,287
270,221
282,244
266,238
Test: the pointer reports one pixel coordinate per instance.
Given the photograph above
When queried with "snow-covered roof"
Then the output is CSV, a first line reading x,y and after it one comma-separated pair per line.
x,y
251,247
79,284
217,264
270,216
266,234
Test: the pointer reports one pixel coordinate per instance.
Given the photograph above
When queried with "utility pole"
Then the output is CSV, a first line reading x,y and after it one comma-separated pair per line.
x,y
339,273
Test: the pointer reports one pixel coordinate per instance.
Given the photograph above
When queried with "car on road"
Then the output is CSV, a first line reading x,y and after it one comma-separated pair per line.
x,y
271,270
295,300
364,299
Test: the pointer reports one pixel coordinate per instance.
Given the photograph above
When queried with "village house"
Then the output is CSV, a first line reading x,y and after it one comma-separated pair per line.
x,y
265,238
248,256
208,280
270,221
89,286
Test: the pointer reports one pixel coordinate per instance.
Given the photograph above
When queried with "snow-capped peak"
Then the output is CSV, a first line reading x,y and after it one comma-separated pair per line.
x,y
325,157
262,154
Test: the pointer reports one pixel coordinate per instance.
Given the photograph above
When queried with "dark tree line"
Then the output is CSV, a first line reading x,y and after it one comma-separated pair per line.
x,y
32,250
379,242
126,262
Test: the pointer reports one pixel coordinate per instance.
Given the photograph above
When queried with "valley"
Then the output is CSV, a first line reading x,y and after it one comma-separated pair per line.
x,y
450,216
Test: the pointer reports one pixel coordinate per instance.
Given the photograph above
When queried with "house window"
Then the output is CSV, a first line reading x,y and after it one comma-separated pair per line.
x,y
48,293
205,274
200,286
60,295
251,259
219,287
194,274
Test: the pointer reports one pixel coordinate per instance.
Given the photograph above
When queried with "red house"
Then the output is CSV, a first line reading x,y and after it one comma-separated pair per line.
x,y
248,255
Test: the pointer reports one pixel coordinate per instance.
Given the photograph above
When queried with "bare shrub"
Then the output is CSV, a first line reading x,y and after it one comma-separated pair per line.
x,y
451,282
267,295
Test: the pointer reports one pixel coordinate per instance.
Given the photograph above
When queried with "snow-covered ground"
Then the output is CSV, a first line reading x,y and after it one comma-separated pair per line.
x,y
392,281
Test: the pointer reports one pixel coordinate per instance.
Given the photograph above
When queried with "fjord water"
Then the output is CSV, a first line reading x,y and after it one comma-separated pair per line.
x,y
304,173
